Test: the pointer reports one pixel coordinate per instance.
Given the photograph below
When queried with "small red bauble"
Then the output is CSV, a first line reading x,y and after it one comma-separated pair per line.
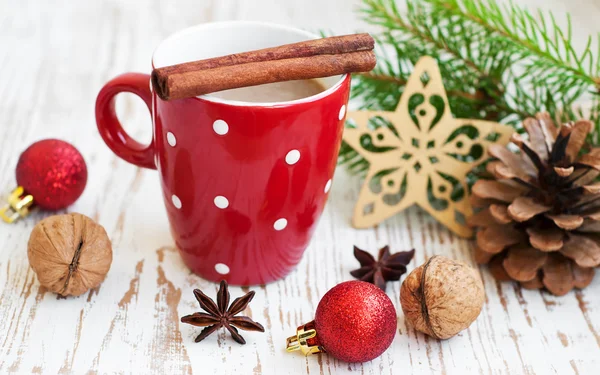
x,y
355,322
51,174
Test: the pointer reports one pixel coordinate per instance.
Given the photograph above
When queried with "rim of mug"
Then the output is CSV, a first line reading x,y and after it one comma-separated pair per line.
x,y
214,99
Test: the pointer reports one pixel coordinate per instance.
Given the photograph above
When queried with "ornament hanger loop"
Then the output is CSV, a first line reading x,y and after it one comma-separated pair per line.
x,y
17,207
305,340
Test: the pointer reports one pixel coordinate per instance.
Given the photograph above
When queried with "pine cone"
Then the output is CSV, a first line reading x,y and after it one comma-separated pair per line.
x,y
539,222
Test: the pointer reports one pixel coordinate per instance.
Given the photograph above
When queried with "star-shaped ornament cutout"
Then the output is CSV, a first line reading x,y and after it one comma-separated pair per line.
x,y
419,154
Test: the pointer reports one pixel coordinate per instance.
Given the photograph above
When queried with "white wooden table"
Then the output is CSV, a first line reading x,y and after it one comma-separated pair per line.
x,y
54,57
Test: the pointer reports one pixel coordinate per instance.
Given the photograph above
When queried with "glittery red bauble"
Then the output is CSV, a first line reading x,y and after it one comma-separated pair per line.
x,y
53,172
355,321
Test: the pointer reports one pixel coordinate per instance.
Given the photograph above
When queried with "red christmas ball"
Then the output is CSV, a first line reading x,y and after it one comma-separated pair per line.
x,y
355,321
53,172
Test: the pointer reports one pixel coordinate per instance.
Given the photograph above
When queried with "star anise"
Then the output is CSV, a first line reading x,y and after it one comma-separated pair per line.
x,y
220,316
387,267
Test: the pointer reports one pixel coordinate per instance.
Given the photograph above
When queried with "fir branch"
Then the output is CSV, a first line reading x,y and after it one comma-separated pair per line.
x,y
500,63
530,36
386,14
471,68
546,72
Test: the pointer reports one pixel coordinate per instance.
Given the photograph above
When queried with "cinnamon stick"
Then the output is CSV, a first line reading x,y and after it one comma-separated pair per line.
x,y
325,46
305,60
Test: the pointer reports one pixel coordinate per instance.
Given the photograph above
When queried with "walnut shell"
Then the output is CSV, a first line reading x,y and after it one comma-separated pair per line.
x,y
69,253
442,297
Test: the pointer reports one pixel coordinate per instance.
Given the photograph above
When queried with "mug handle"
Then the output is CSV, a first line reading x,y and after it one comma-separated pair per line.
x,y
109,126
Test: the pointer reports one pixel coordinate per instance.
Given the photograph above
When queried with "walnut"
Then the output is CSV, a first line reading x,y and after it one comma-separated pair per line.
x,y
442,297
69,253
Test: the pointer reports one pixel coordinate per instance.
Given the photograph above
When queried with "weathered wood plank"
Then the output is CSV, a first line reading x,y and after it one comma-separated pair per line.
x,y
54,58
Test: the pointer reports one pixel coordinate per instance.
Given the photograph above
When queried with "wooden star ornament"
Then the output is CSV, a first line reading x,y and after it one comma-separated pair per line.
x,y
419,154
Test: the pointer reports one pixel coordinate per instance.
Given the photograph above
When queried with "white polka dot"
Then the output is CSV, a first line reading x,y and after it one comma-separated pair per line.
x,y
220,127
176,201
292,157
221,202
221,268
342,112
327,186
280,224
171,139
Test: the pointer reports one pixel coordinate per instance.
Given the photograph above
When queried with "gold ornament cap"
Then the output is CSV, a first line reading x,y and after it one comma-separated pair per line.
x,y
305,340
18,205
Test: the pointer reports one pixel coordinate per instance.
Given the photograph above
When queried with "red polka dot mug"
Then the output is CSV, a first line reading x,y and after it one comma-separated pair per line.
x,y
244,183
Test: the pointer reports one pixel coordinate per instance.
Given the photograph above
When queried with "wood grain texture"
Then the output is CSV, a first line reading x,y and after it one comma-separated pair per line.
x,y
54,57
